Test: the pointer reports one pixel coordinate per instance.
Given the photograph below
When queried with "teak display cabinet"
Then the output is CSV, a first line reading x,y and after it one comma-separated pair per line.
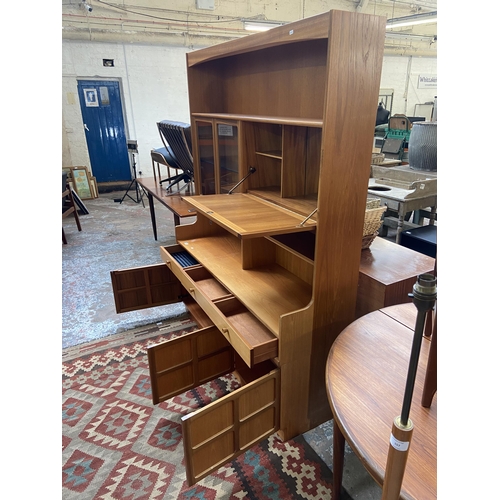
x,y
270,271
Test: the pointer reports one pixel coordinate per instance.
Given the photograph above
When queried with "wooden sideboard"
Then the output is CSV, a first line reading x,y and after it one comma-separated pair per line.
x,y
387,273
282,129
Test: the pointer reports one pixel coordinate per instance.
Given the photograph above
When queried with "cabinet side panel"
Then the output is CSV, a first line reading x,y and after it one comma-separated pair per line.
x,y
205,87
354,69
295,350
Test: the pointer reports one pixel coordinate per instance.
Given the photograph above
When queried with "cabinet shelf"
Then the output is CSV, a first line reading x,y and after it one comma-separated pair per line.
x,y
270,154
281,120
267,291
303,245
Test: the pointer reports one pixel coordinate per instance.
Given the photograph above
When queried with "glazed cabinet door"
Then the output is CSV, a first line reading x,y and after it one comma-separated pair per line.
x,y
222,430
205,150
217,153
186,362
143,287
227,155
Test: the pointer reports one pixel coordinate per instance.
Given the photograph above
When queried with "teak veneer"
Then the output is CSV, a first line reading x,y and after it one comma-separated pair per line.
x,y
274,266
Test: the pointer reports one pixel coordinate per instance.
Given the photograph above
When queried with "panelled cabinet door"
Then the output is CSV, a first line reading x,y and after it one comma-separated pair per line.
x,y
222,430
183,363
143,287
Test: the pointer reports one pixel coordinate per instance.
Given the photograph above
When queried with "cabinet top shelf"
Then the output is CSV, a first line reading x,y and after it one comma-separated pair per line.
x,y
247,216
312,28
282,120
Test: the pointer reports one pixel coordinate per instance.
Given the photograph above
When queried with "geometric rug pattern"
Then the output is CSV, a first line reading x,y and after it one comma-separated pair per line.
x,y
117,445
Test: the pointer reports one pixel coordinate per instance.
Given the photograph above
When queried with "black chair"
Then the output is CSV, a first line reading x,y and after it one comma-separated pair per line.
x,y
68,205
159,157
176,137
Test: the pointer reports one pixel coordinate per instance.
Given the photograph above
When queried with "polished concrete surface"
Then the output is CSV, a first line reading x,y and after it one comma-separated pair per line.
x,y
117,236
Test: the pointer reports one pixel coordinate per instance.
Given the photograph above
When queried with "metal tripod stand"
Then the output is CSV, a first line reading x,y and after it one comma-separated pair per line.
x,y
139,193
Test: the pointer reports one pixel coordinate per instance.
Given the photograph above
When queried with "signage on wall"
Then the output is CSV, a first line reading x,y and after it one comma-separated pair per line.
x,y
90,98
427,81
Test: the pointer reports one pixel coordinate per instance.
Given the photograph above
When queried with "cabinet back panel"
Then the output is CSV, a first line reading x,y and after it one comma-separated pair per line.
x,y
313,160
285,81
293,173
301,267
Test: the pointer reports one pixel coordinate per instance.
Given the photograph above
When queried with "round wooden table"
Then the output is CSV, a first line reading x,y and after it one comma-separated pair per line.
x,y
365,379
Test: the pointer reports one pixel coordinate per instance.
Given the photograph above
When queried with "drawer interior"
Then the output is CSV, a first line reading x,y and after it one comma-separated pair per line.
x,y
207,283
264,343
251,338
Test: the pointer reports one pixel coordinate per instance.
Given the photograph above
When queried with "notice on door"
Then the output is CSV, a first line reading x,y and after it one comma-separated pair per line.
x,y
91,98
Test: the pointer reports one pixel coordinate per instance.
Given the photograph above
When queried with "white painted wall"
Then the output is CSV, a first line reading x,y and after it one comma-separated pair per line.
x,y
154,85
400,73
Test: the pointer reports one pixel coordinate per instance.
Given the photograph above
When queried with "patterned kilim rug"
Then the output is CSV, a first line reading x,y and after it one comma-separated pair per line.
x,y
118,445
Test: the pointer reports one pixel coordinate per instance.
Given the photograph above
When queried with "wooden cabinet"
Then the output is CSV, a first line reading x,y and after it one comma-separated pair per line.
x,y
271,270
287,243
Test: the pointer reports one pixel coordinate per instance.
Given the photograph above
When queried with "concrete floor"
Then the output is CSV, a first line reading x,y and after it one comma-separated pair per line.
x,y
117,236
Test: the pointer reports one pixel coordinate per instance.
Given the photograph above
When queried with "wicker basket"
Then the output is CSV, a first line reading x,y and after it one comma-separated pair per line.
x,y
372,203
368,240
373,220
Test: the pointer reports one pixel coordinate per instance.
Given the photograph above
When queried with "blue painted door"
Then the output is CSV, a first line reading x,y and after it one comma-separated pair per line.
x,y
101,106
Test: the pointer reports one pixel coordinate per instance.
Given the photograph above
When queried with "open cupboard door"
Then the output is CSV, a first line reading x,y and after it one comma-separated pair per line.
x,y
183,363
143,287
222,430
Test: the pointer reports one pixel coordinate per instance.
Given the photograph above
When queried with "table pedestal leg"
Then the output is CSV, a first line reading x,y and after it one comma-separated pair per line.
x,y
432,218
338,460
401,220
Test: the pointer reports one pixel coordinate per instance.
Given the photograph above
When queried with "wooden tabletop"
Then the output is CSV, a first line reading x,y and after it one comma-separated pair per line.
x,y
173,202
365,377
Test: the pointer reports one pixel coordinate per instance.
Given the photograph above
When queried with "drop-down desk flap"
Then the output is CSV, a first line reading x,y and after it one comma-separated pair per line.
x,y
247,216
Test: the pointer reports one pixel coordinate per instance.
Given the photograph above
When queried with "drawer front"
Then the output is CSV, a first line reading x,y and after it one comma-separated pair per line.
x,y
222,430
251,340
391,204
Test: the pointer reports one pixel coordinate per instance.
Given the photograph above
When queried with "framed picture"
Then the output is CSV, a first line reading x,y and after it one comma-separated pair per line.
x,y
91,98
93,187
81,182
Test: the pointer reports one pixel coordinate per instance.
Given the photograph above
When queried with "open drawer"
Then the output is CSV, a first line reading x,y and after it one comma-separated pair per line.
x,y
248,336
222,430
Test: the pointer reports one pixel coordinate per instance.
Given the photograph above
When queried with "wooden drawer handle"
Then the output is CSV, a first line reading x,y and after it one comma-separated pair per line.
x,y
191,290
225,330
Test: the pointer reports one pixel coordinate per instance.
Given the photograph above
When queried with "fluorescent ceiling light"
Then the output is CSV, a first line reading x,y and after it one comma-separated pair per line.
x,y
398,22
410,36
260,25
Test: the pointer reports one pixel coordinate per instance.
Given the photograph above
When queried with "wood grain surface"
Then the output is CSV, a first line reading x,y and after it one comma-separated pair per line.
x,y
366,376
